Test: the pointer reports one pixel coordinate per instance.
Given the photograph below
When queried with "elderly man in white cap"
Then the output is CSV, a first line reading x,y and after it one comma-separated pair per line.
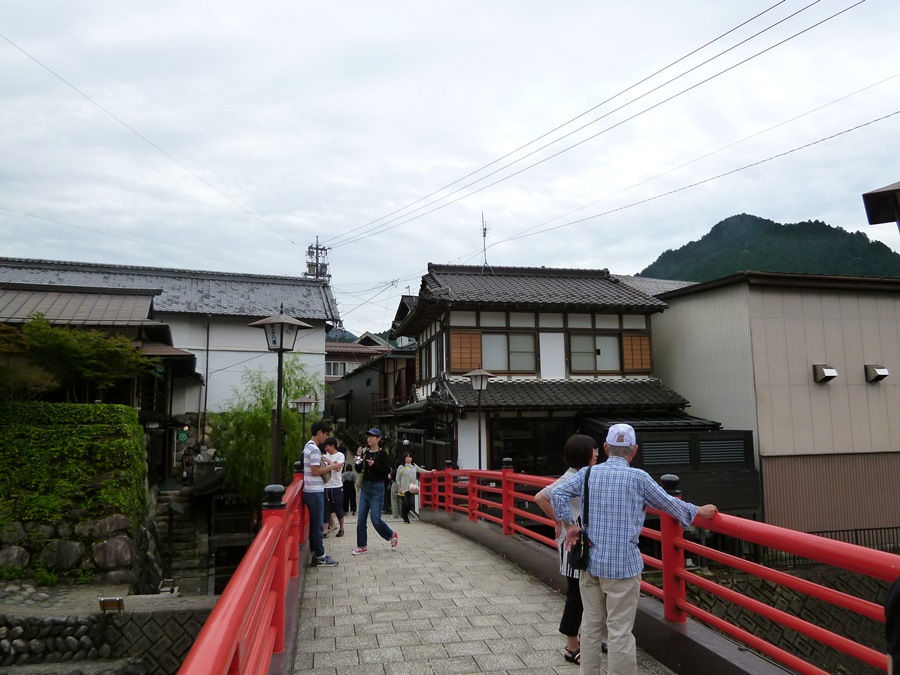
x,y
617,497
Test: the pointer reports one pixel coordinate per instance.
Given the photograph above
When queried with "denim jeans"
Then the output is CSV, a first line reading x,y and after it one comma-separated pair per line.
x,y
315,503
371,501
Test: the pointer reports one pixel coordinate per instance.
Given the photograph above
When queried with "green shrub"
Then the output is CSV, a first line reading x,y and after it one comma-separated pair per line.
x,y
61,461
11,572
43,576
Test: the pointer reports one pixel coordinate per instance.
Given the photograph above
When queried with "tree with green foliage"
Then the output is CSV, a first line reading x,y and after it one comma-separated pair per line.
x,y
749,243
85,363
20,380
242,432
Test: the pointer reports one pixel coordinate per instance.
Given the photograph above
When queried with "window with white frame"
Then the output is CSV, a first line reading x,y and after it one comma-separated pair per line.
x,y
335,368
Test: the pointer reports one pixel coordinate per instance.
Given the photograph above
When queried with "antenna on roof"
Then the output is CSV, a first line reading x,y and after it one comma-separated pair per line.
x,y
484,262
317,262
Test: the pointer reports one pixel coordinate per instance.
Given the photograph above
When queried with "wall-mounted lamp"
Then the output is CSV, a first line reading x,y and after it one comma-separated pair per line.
x,y
876,373
112,604
823,373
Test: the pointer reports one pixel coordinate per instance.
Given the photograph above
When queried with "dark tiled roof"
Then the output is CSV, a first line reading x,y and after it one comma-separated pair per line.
x,y
535,287
598,395
187,291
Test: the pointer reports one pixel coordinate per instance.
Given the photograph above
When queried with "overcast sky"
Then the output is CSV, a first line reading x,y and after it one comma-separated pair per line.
x,y
222,135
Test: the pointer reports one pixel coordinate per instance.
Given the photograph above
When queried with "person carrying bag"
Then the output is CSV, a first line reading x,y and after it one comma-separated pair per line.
x,y
407,485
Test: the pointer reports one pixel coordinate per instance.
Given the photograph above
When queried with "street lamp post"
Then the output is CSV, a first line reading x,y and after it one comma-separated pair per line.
x,y
303,405
281,335
479,379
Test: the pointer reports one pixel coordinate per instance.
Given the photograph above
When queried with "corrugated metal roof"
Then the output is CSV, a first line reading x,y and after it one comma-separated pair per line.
x,y
151,348
652,286
76,307
353,348
187,291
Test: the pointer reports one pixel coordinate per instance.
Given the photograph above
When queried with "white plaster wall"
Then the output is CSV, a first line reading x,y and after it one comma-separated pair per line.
x,y
234,348
467,434
553,356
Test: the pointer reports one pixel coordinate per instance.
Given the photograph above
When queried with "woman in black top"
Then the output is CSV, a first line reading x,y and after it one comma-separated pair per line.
x,y
375,467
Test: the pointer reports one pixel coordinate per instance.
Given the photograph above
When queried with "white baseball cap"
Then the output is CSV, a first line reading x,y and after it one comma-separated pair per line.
x,y
621,435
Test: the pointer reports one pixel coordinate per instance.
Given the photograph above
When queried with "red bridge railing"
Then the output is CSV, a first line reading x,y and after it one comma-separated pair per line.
x,y
493,496
246,627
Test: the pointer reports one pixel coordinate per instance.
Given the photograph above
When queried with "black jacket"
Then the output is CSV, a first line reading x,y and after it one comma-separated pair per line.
x,y
379,471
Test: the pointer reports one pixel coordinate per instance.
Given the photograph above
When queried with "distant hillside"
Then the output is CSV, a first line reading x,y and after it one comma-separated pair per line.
x,y
338,334
746,242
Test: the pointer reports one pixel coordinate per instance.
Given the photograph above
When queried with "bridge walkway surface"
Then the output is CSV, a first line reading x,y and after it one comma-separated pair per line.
x,y
439,603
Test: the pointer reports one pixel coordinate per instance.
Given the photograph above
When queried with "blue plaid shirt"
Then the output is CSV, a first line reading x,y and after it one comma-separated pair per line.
x,y
617,497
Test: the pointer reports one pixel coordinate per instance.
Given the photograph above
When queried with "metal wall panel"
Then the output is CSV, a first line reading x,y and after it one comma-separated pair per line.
x,y
813,493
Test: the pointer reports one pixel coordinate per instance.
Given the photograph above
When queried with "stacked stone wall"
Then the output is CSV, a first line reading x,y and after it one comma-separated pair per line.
x,y
159,639
105,551
842,622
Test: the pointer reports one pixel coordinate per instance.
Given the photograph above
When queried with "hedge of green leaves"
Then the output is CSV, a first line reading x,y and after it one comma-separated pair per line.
x,y
63,461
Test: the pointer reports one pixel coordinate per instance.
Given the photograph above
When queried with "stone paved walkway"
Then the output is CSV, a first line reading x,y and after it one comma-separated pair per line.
x,y
438,604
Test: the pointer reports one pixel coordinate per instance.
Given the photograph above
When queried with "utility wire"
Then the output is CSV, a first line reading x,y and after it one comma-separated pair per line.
x,y
714,152
144,242
386,227
705,180
148,141
341,239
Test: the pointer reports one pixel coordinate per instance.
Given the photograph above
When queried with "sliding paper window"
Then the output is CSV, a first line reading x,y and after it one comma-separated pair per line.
x,y
512,352
594,352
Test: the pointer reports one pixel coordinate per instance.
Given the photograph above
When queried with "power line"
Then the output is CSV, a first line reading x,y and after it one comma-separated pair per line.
x,y
337,239
343,239
155,244
705,180
714,152
387,226
148,141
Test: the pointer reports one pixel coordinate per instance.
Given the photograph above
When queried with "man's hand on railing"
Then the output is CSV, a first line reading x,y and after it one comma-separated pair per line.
x,y
707,511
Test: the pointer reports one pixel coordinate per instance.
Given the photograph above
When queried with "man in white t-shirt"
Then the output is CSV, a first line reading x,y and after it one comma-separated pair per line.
x,y
315,469
334,487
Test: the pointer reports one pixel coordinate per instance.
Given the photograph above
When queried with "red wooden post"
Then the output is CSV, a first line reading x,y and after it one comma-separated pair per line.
x,y
294,522
472,494
275,508
672,562
448,487
507,487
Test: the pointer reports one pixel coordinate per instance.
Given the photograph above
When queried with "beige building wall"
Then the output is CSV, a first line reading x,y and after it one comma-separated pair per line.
x,y
742,354
701,349
791,330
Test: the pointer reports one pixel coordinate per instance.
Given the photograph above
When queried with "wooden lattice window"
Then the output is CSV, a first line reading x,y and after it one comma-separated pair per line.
x,y
636,352
465,351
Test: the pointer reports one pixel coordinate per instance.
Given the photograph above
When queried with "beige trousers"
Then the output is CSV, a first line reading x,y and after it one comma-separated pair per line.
x,y
610,606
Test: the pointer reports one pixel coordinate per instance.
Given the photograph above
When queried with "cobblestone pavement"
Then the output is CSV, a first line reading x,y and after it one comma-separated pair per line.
x,y
23,594
439,603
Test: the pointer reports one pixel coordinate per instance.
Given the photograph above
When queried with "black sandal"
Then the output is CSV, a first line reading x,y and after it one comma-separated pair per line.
x,y
572,657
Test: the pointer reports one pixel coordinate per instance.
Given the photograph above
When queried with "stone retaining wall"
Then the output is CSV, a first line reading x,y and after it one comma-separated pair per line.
x,y
823,614
159,638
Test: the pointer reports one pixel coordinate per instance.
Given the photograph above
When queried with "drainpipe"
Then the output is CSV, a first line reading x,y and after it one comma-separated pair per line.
x,y
201,418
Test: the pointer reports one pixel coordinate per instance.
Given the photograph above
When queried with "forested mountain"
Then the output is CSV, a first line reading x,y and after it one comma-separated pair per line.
x,y
746,242
340,334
